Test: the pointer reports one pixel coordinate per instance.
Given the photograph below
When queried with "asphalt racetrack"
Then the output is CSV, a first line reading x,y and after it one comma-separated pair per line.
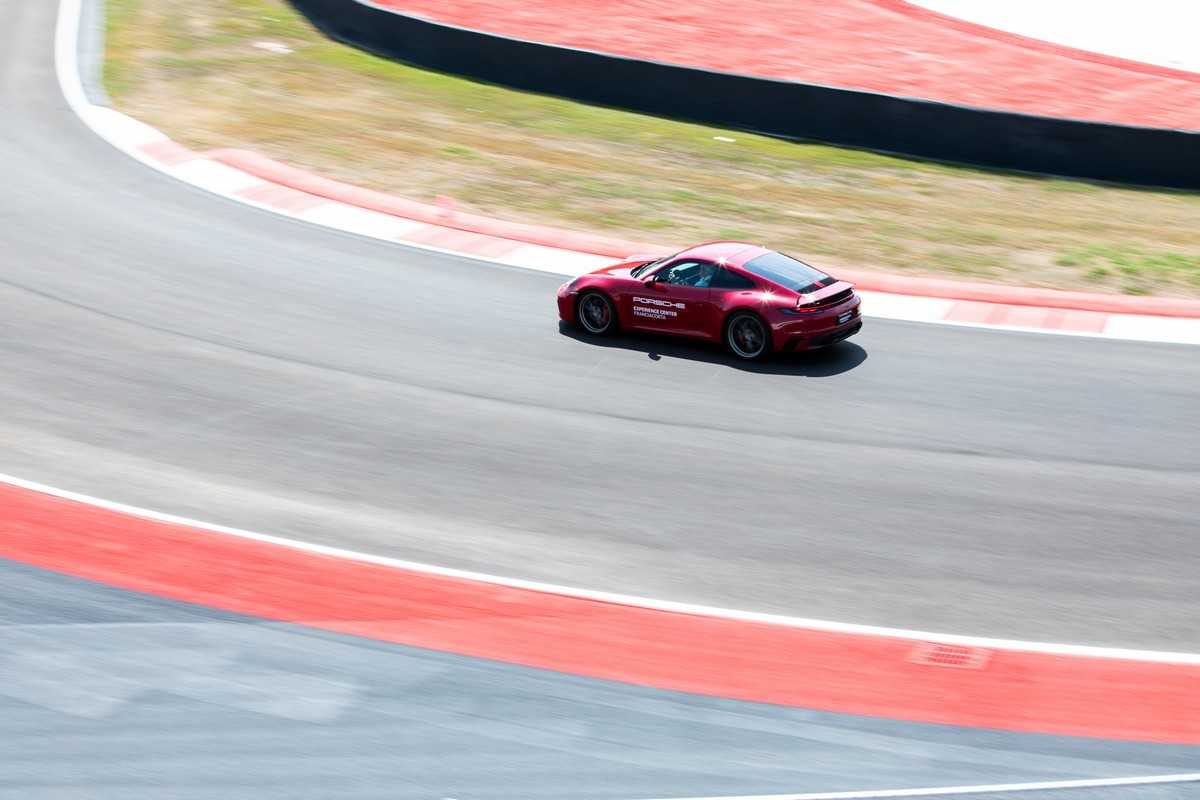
x,y
170,349
180,352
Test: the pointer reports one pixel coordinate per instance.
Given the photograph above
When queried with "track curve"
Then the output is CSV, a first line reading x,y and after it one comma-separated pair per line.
x,y
173,350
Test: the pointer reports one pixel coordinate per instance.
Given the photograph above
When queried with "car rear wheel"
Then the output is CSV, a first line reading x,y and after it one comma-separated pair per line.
x,y
596,313
747,337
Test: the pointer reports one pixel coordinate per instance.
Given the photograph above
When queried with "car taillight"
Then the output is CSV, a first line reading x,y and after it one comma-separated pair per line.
x,y
803,307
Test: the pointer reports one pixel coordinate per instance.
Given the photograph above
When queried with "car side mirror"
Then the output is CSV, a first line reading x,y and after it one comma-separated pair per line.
x,y
653,279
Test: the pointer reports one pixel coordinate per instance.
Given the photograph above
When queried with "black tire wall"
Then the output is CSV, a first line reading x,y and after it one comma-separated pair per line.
x,y
1003,140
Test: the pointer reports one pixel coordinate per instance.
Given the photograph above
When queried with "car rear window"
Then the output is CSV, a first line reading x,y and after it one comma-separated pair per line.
x,y
787,271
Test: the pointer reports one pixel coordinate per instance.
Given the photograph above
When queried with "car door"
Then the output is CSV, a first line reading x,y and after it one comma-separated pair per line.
x,y
674,299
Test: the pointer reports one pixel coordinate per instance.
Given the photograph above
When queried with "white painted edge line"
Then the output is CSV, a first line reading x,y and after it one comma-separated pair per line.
x,y
128,135
359,220
1153,329
553,259
214,176
909,308
958,790
620,599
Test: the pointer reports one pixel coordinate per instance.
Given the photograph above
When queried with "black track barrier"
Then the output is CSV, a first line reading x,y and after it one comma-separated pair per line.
x,y
886,123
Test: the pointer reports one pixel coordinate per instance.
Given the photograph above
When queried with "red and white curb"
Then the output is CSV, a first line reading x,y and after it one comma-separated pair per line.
x,y
1032,319
285,190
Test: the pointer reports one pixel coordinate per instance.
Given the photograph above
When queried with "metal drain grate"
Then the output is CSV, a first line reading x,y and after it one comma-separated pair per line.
x,y
936,654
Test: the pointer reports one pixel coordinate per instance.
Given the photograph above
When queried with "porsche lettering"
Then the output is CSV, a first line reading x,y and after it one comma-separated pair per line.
x,y
654,301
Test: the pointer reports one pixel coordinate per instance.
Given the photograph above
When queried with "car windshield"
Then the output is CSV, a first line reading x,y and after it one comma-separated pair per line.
x,y
787,271
644,268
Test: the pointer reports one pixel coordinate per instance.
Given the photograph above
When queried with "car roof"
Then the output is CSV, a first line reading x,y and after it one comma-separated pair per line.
x,y
736,253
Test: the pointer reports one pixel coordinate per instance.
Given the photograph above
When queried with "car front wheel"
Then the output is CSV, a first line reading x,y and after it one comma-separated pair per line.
x,y
596,313
747,337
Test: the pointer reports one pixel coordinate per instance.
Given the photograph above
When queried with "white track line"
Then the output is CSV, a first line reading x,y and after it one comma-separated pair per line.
x,y
959,790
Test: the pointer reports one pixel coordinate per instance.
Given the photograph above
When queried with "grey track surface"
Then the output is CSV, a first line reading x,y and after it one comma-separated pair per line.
x,y
170,349
111,695
181,352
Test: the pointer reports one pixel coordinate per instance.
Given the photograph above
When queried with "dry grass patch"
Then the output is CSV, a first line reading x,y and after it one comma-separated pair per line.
x,y
210,73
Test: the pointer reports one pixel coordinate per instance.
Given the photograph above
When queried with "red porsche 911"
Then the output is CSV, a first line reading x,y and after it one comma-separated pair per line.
x,y
754,300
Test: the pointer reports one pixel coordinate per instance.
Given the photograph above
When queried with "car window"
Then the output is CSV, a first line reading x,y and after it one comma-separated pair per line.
x,y
728,279
787,271
687,273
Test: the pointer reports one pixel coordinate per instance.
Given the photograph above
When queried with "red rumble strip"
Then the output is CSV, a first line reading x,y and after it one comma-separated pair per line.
x,y
879,676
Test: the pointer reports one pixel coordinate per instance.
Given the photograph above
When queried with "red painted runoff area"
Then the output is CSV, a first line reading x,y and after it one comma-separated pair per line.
x,y
878,676
883,46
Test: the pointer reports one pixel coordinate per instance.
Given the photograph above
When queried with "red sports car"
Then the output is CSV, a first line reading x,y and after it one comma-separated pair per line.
x,y
755,300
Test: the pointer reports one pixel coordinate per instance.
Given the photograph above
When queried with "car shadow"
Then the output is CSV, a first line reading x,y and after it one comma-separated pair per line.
x,y
823,363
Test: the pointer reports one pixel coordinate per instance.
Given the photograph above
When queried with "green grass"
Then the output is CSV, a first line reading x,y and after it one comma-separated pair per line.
x,y
1104,261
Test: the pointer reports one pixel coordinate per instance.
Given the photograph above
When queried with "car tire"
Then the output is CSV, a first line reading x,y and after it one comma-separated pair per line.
x,y
747,336
596,313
